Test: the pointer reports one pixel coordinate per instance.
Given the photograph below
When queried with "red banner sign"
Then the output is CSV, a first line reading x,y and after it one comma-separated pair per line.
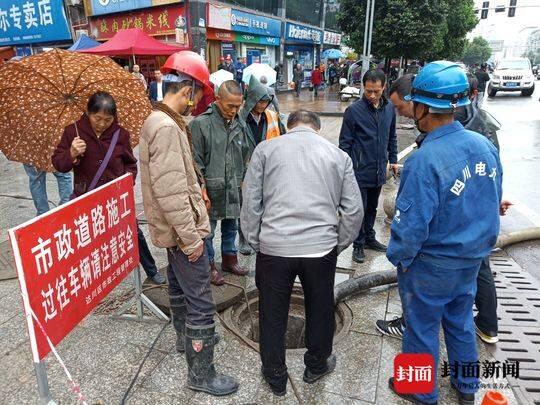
x,y
220,35
70,258
153,21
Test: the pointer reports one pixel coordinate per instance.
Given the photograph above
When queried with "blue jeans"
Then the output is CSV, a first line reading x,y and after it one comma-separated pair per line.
x,y
38,187
229,227
432,295
145,256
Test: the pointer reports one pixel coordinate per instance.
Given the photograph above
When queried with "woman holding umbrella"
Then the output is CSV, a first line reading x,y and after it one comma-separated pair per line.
x,y
98,150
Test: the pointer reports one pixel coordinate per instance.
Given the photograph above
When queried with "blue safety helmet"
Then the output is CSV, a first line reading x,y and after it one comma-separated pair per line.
x,y
440,84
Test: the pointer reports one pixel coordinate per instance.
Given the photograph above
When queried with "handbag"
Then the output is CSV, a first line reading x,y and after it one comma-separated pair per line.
x,y
104,164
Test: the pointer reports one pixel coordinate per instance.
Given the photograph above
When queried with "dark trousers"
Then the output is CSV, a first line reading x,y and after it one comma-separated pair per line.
x,y
297,87
192,280
145,256
486,299
274,278
370,200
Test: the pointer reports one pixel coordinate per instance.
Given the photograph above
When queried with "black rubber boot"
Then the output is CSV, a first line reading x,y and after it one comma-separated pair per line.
x,y
202,375
178,315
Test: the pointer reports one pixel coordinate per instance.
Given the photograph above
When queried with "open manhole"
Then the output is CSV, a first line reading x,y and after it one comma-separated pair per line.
x,y
243,320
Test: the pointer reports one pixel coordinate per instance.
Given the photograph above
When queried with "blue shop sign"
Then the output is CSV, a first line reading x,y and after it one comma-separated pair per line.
x,y
301,33
32,21
100,7
254,24
272,41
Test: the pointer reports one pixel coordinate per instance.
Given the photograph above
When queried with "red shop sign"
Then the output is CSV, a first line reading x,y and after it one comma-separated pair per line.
x,y
70,258
220,35
153,21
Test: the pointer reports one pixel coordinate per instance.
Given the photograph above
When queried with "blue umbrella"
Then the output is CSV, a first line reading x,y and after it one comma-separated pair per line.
x,y
84,42
332,54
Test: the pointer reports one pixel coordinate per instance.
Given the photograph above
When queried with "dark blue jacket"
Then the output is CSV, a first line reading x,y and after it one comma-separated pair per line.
x,y
153,91
447,206
368,135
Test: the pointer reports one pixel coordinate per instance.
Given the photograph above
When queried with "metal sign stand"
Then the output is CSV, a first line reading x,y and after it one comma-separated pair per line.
x,y
43,384
140,301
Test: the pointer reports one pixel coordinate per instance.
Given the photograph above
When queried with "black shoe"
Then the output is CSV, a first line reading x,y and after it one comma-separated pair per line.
x,y
486,336
279,392
463,398
408,397
358,255
202,375
375,245
393,328
310,377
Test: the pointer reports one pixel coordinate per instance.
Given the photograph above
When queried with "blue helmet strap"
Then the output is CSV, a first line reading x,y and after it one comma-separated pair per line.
x,y
424,115
453,98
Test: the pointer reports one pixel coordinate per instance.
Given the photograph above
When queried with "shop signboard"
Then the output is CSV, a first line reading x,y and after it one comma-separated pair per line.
x,y
228,36
332,38
32,21
100,7
153,21
254,24
301,33
219,17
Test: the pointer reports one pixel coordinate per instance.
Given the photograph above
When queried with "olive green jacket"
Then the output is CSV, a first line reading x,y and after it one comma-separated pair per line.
x,y
222,152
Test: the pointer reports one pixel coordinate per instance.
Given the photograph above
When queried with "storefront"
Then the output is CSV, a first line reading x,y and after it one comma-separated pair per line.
x,y
166,23
241,35
301,46
37,22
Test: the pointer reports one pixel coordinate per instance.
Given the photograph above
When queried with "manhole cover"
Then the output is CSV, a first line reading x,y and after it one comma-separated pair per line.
x,y
243,320
224,296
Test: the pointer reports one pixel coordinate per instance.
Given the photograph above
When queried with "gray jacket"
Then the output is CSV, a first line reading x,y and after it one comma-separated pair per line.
x,y
300,196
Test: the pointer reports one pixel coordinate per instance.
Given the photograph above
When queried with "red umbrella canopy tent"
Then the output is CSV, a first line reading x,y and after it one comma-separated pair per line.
x,y
133,41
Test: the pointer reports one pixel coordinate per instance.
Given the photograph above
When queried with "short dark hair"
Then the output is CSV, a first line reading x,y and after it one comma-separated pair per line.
x,y
174,87
101,101
304,117
374,75
402,86
231,87
473,82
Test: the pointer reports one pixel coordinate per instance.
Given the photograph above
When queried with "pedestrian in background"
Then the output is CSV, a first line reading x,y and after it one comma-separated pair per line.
x,y
84,148
176,212
138,75
156,87
368,135
316,80
298,78
221,149
446,223
37,182
302,207
483,78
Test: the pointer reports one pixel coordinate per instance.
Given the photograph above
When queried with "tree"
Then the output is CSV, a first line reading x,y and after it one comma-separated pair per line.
x,y
418,29
477,51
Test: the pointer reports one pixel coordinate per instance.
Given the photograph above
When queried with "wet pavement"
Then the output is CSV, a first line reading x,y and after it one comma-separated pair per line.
x,y
104,354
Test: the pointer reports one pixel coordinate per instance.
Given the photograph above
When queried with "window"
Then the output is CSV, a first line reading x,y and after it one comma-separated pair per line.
x,y
512,8
485,9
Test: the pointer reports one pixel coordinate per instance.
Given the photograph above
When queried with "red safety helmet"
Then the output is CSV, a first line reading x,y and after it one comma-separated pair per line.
x,y
228,56
190,64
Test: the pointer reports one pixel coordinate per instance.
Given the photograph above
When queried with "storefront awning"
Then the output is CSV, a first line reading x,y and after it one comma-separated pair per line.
x,y
133,41
6,52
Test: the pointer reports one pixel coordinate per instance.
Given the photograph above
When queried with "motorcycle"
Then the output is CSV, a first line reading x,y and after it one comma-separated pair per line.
x,y
348,92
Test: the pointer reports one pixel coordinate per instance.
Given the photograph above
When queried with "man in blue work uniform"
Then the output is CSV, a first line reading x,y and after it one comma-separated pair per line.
x,y
446,222
368,136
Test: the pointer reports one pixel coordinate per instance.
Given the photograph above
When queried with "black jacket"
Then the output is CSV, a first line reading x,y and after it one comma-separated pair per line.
x,y
368,135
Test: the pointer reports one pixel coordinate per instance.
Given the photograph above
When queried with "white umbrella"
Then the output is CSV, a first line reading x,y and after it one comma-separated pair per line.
x,y
259,70
220,76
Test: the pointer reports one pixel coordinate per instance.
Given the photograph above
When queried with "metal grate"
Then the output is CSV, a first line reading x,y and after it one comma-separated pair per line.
x,y
518,295
512,77
7,263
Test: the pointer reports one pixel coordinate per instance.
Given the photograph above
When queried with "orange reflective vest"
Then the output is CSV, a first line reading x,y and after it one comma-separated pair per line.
x,y
272,124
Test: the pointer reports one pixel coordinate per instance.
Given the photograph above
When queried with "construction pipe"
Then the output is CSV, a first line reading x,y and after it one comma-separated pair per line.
x,y
365,282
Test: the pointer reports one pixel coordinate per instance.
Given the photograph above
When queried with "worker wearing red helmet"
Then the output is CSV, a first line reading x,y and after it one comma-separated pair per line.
x,y
178,220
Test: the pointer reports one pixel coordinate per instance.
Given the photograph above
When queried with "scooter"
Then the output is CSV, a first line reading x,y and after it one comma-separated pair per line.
x,y
348,92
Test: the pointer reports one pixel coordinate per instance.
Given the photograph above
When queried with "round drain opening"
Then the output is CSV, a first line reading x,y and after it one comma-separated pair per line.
x,y
238,319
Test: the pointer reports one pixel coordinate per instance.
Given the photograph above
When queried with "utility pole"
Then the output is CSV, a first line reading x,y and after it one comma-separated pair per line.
x,y
368,34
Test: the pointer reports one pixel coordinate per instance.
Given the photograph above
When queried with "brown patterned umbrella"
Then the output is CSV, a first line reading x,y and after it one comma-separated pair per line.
x,y
40,95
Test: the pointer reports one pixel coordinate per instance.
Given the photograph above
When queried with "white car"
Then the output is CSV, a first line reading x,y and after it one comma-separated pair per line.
x,y
512,75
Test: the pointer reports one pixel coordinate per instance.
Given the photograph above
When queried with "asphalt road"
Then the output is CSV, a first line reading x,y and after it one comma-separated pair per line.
x,y
519,138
